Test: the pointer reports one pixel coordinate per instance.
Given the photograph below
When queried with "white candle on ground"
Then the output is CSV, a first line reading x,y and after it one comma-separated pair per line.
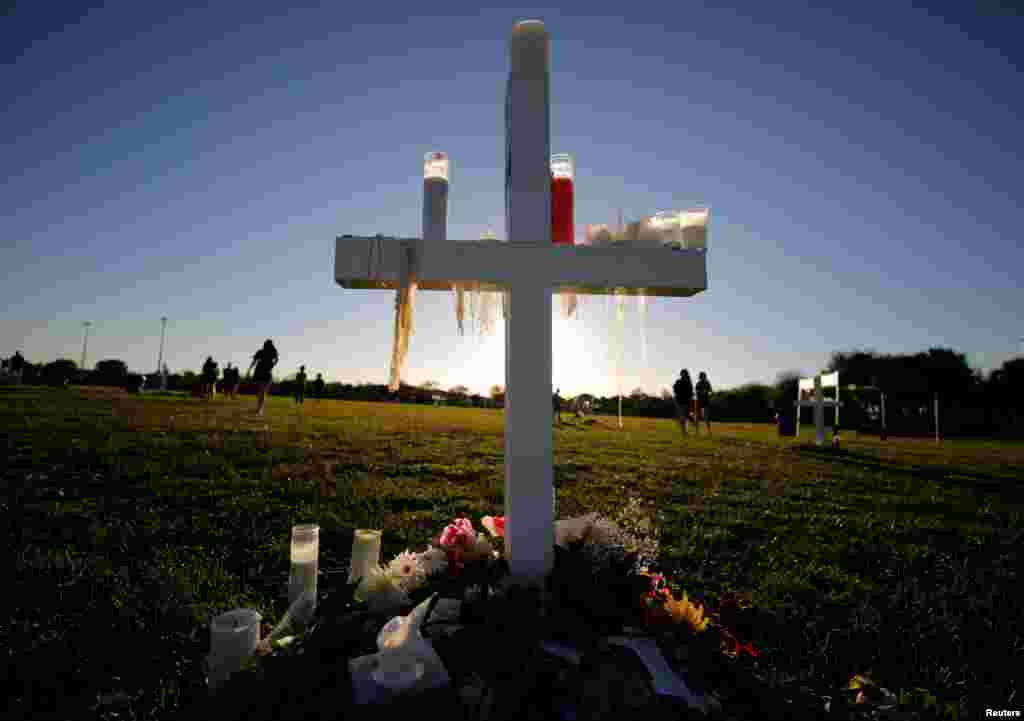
x,y
365,553
233,638
305,554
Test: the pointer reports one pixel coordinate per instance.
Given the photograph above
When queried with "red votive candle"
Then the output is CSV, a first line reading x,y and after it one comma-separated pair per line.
x,y
563,229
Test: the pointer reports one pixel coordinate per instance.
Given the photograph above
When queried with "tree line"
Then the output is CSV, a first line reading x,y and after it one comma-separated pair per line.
x,y
970,402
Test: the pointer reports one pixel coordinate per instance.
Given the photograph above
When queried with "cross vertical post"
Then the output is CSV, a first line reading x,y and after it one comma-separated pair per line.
x,y
819,412
529,474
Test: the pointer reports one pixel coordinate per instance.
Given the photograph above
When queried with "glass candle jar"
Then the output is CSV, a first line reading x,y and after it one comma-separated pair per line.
x,y
435,196
305,555
562,219
233,638
365,553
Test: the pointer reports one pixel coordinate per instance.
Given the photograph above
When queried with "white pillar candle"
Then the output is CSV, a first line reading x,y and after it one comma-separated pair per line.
x,y
365,553
305,554
435,196
233,638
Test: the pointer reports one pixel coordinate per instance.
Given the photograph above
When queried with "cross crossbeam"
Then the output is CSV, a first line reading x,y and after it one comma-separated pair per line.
x,y
366,263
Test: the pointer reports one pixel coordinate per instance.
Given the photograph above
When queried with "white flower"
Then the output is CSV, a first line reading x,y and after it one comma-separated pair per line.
x,y
380,591
433,561
407,571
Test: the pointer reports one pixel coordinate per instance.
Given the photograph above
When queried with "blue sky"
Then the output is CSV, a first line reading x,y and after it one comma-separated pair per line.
x,y
863,174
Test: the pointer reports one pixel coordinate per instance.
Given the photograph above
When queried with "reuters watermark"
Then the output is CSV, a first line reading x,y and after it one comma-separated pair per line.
x,y
1001,713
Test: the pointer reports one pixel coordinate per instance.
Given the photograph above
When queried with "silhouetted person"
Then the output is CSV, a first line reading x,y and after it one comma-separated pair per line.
x,y
210,373
556,402
300,385
16,365
318,387
230,383
683,391
703,401
264,362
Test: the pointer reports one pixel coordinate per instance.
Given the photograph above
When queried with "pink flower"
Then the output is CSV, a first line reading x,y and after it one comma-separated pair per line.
x,y
860,697
460,533
495,525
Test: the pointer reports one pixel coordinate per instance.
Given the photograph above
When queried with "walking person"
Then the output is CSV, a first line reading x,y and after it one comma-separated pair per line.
x,y
703,401
231,380
16,364
300,385
318,387
264,361
210,373
683,390
556,401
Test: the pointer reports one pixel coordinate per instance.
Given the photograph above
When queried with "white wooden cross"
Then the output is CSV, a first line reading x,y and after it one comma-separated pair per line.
x,y
530,268
818,402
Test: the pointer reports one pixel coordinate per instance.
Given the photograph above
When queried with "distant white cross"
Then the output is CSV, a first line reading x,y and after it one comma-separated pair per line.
x,y
818,402
530,268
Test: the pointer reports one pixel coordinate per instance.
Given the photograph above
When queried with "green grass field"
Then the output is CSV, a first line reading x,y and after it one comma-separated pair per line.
x,y
135,519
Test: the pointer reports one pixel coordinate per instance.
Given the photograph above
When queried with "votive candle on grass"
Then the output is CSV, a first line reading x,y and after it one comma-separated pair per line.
x,y
305,555
365,553
233,638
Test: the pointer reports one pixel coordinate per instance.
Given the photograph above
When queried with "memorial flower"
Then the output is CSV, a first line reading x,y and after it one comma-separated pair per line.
x,y
407,571
495,525
456,535
685,612
461,544
381,591
459,533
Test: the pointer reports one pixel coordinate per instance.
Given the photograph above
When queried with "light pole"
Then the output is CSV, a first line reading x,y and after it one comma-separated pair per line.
x,y
160,358
85,343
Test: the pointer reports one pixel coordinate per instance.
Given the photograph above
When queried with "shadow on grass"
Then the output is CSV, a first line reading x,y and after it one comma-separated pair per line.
x,y
951,476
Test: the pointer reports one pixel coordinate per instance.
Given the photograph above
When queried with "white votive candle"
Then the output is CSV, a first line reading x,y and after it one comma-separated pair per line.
x,y
233,638
365,553
305,556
